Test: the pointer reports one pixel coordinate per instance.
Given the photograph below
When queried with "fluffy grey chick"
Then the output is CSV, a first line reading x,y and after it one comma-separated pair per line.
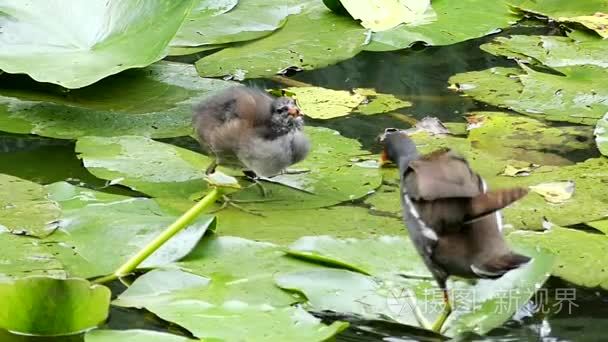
x,y
248,128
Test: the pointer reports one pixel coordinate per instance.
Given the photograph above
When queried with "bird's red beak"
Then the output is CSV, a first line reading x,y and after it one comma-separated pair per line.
x,y
384,159
294,111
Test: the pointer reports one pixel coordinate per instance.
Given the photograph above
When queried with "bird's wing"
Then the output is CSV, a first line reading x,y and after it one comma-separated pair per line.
x,y
442,174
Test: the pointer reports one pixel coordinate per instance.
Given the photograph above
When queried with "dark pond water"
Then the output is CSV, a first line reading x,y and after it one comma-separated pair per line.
x,y
418,75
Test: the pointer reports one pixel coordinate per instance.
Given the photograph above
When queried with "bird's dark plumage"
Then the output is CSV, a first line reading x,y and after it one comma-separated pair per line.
x,y
451,216
248,128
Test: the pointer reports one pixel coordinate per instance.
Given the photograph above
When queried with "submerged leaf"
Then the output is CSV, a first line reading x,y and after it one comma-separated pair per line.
x,y
48,306
25,207
74,43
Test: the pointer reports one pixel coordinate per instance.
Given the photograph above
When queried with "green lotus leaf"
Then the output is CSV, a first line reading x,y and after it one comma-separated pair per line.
x,y
601,225
347,252
580,257
283,226
154,168
25,207
97,233
386,295
510,136
322,103
75,44
25,256
312,39
238,288
132,335
156,102
553,51
377,103
227,21
579,96
470,19
48,306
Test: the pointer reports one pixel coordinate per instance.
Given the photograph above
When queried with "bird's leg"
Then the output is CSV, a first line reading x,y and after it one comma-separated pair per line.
x,y
447,310
227,201
211,168
256,180
438,324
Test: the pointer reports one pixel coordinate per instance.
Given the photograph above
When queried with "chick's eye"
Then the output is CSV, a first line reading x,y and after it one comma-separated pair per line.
x,y
283,109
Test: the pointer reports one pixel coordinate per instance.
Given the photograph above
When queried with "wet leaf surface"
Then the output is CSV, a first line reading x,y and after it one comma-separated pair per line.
x,y
155,102
385,294
227,21
470,19
312,39
580,255
74,44
25,207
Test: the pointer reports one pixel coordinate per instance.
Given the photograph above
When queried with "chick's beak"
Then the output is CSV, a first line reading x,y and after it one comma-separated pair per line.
x,y
294,111
383,161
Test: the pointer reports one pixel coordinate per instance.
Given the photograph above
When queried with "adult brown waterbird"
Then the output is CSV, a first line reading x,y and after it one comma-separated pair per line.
x,y
452,218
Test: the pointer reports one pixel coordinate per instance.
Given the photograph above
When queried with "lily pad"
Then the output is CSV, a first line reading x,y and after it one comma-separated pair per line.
x,y
347,254
145,165
132,335
283,226
74,44
227,21
385,295
99,232
312,39
386,14
566,11
156,102
601,225
322,103
510,136
25,207
552,51
25,256
579,96
470,19
237,302
580,256
601,134
75,305
377,103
